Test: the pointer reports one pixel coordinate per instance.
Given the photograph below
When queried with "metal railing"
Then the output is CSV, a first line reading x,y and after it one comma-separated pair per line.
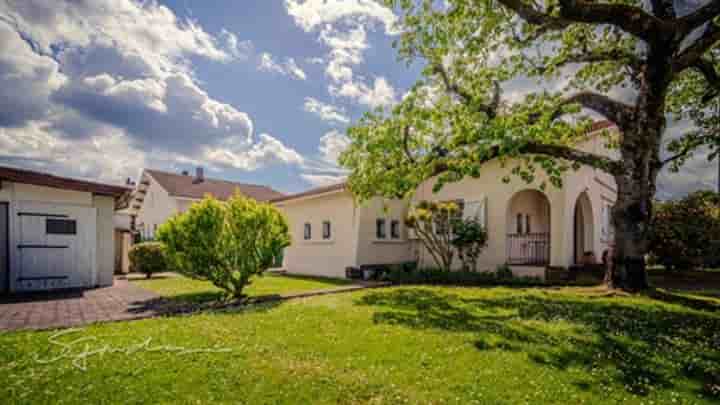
x,y
532,249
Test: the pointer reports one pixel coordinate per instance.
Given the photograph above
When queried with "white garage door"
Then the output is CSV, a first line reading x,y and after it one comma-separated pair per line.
x,y
55,246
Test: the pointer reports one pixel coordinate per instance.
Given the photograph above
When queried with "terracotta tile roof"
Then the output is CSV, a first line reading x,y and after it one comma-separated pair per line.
x,y
180,185
311,192
51,180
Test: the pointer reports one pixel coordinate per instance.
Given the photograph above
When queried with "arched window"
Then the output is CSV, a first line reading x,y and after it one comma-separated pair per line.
x,y
518,224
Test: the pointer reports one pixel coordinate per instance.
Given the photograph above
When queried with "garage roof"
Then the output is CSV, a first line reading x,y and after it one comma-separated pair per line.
x,y
50,180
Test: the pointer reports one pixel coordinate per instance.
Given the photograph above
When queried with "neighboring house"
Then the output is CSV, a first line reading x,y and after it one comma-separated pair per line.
x,y
159,195
528,228
56,232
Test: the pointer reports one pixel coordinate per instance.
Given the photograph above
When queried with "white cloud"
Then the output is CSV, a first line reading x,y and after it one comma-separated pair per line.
x,y
238,49
288,68
315,60
346,48
240,154
310,14
319,180
381,94
342,27
326,112
332,144
119,91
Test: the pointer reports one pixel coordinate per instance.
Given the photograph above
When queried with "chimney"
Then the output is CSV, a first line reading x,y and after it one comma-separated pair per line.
x,y
129,182
199,175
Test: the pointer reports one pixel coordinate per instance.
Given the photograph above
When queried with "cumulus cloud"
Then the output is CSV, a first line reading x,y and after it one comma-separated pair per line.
x,y
320,180
380,94
112,81
332,144
342,27
310,14
238,153
326,112
288,68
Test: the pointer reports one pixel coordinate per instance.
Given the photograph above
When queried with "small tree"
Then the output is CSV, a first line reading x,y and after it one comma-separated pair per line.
x,y
147,258
686,233
432,223
469,238
225,242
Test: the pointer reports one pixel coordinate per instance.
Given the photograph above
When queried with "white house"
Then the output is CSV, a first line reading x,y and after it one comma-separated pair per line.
x,y
56,232
529,229
159,195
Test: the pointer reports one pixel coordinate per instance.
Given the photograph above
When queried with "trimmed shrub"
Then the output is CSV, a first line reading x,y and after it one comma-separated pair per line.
x,y
226,243
147,258
503,272
685,234
469,238
458,278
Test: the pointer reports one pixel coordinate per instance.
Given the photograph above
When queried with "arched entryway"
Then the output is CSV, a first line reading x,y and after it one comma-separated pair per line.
x,y
583,233
528,229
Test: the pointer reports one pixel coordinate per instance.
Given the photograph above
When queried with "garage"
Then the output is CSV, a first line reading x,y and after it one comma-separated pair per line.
x,y
56,232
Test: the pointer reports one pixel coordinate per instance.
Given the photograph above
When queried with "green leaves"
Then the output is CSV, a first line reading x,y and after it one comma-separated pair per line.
x,y
225,242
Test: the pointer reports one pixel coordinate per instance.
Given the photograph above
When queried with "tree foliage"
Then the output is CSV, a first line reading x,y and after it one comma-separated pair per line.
x,y
685,234
432,223
469,238
633,62
226,243
147,258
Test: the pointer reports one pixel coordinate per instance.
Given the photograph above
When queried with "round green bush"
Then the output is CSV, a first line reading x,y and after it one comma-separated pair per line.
x,y
147,258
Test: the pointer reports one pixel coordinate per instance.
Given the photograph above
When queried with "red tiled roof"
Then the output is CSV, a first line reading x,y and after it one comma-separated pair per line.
x,y
311,192
181,185
51,180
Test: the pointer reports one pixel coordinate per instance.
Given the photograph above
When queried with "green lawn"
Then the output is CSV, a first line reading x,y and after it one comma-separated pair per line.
x,y
390,345
184,289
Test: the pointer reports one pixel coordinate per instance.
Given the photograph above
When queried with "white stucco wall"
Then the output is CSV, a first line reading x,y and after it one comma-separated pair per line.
x,y
372,250
157,207
317,256
105,240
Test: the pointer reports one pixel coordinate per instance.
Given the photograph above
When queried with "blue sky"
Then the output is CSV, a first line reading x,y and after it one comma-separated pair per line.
x,y
257,91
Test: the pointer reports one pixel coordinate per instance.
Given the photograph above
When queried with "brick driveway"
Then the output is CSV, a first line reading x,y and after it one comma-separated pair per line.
x,y
122,301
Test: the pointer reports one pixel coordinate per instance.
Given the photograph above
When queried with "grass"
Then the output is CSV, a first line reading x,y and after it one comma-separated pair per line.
x,y
390,345
185,290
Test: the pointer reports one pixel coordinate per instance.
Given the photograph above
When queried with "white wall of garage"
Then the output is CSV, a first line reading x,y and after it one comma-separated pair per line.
x,y
99,246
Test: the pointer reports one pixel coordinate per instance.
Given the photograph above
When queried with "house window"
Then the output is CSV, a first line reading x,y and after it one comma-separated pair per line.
x,y
380,228
326,230
518,224
308,231
527,224
395,229
54,226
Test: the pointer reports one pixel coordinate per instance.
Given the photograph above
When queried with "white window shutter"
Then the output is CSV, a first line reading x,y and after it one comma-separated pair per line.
x,y
477,210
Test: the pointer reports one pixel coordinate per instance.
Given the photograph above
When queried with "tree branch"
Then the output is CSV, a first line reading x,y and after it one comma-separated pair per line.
x,y
603,163
611,55
663,8
633,20
694,52
700,16
707,68
615,111
406,136
467,98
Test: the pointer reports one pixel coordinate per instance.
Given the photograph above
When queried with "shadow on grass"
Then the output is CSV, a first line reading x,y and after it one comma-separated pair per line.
x,y
640,346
